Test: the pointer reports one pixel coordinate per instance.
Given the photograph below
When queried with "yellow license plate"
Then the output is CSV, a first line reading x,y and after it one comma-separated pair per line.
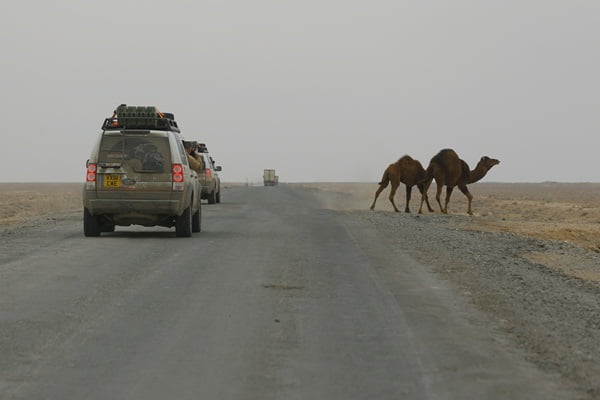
x,y
113,181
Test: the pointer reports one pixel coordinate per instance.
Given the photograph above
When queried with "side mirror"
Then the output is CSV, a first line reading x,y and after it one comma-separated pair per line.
x,y
218,168
87,163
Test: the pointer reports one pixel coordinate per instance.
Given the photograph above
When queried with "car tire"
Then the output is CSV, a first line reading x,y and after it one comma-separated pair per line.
x,y
107,228
183,223
197,220
91,224
218,197
212,198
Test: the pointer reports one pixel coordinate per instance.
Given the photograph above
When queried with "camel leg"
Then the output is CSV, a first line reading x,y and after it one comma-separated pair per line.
x,y
378,192
449,190
393,193
465,190
408,192
426,198
438,196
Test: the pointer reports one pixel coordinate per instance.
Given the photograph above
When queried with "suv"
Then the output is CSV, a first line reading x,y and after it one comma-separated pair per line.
x,y
138,173
209,179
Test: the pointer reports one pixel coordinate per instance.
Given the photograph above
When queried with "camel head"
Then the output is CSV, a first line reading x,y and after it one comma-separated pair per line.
x,y
487,162
483,166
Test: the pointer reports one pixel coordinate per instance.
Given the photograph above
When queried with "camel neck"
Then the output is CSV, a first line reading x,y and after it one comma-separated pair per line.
x,y
478,173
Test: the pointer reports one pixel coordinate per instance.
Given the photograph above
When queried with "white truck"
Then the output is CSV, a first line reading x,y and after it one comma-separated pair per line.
x,y
270,178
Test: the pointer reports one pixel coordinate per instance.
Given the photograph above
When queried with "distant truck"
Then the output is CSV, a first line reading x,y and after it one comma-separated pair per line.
x,y
270,178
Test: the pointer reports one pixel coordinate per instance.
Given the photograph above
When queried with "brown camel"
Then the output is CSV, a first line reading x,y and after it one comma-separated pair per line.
x,y
405,170
450,171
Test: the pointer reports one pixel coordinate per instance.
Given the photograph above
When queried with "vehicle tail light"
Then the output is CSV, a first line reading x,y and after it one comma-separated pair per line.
x,y
90,178
208,173
91,173
177,170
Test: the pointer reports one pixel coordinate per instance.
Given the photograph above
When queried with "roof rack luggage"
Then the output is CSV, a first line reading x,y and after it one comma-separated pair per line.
x,y
140,117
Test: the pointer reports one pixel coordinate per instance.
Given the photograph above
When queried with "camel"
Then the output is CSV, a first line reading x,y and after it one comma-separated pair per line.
x,y
406,170
450,171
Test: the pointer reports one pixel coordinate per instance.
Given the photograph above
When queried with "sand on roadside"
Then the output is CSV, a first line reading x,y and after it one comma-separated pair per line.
x,y
557,211
24,201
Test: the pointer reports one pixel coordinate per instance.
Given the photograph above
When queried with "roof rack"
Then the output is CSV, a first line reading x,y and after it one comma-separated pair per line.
x,y
140,117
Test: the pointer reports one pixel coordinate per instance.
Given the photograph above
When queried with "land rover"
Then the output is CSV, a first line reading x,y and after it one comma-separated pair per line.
x,y
138,174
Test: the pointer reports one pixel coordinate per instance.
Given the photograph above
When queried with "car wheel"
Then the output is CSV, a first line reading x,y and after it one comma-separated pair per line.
x,y
197,220
91,224
183,223
212,198
219,196
108,228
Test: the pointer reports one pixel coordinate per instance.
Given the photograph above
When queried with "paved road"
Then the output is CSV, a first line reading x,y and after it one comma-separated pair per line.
x,y
277,298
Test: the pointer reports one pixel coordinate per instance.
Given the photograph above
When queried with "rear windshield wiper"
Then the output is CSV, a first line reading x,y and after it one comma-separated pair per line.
x,y
110,165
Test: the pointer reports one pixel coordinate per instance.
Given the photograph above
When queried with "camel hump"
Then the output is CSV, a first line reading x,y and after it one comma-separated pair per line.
x,y
403,162
405,157
445,158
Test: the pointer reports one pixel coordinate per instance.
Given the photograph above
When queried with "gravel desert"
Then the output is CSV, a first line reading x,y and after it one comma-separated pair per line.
x,y
550,210
529,258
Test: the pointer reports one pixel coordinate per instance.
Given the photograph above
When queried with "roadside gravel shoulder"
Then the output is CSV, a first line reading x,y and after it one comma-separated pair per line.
x,y
552,314
40,227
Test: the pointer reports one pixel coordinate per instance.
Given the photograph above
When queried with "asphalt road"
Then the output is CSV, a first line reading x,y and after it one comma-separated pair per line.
x,y
277,298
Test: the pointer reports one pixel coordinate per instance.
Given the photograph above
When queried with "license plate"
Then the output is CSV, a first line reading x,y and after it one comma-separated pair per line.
x,y
113,181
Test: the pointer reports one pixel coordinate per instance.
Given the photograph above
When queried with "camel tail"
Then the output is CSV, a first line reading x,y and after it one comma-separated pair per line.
x,y
385,179
428,175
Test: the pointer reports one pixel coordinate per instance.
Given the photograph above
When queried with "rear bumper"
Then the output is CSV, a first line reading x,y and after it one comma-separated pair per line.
x,y
113,206
150,203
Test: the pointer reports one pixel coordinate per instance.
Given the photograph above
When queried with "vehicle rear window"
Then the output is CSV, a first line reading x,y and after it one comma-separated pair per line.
x,y
143,154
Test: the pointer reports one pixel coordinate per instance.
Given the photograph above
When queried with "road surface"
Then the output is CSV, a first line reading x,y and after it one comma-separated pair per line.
x,y
276,298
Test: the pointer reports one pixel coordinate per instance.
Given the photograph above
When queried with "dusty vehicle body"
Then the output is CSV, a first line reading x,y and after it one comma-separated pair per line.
x,y
210,180
209,177
140,176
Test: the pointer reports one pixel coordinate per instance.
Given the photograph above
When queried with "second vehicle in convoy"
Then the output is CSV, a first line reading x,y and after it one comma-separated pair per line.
x,y
209,177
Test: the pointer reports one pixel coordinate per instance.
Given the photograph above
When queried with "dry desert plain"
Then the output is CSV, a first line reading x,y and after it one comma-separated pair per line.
x,y
567,212
558,211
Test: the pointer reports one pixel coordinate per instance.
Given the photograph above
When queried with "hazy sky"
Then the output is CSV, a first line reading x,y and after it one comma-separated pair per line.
x,y
320,90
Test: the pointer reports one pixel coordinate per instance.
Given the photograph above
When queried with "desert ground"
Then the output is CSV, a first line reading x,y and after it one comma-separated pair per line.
x,y
562,212
558,211
568,212
23,203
